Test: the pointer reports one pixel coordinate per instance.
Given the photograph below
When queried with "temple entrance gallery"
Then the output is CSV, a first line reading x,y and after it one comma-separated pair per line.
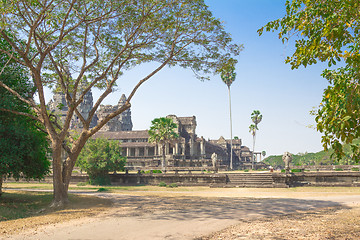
x,y
188,150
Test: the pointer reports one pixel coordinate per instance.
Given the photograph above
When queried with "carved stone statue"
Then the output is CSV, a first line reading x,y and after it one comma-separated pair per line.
x,y
214,159
287,157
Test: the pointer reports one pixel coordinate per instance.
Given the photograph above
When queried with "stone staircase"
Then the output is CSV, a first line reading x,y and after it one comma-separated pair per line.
x,y
252,180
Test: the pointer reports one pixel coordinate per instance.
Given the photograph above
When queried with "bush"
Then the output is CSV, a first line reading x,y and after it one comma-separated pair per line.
x,y
339,169
101,180
156,171
296,170
162,184
246,170
355,169
173,185
102,189
98,158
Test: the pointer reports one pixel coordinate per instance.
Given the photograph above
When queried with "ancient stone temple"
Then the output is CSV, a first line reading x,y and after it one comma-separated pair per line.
x,y
188,151
122,122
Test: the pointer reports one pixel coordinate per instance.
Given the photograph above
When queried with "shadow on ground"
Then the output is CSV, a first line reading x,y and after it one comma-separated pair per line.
x,y
186,208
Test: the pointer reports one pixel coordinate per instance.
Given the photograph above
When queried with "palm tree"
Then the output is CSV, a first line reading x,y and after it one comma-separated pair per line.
x,y
228,78
162,132
256,117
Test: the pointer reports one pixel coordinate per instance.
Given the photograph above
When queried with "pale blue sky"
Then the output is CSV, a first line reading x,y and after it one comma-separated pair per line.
x,y
264,82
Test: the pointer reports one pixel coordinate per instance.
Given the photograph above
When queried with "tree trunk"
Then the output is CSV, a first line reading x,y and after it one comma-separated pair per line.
x,y
231,145
60,197
253,158
163,157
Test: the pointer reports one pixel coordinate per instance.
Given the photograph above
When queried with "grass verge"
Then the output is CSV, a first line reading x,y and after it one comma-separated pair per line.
x,y
21,210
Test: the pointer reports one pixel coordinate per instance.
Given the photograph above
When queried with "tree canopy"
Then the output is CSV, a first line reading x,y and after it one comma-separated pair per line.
x,y
68,44
99,157
328,31
23,147
162,131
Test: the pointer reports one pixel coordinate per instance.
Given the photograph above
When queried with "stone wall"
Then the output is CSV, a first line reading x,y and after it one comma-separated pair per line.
x,y
319,179
197,179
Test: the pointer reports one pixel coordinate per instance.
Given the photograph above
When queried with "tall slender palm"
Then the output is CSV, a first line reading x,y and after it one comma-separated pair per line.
x,y
162,132
228,78
256,117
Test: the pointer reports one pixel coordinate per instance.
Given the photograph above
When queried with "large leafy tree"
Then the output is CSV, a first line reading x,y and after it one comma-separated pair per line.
x,y
162,131
73,43
23,147
256,118
228,77
99,157
328,31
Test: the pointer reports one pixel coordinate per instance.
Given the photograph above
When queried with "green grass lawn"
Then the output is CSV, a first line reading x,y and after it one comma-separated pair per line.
x,y
22,204
14,205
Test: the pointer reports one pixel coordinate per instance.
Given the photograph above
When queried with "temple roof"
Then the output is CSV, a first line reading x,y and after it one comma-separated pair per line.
x,y
123,134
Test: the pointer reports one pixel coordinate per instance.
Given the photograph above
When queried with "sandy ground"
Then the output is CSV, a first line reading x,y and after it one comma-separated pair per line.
x,y
213,214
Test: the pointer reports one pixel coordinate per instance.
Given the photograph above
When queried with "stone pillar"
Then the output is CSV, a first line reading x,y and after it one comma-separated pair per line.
x,y
183,149
202,146
127,152
176,151
146,151
191,147
136,152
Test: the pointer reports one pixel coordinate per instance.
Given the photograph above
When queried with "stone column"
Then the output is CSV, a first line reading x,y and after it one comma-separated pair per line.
x,y
146,151
191,147
202,146
127,152
176,150
136,152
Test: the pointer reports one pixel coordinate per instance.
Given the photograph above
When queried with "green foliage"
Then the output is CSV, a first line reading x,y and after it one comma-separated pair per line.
x,y
228,76
23,147
296,170
339,169
162,130
355,169
318,158
172,185
246,170
162,184
329,32
98,158
102,190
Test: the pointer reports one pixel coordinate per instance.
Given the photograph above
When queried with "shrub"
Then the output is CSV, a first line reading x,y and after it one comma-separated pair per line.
x,y
156,171
282,170
246,170
173,185
296,170
355,169
339,169
162,184
102,189
99,157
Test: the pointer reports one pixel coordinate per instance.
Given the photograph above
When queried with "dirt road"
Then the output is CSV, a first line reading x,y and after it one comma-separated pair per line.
x,y
150,216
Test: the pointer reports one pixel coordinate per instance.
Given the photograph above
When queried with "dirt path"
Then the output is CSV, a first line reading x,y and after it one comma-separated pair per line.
x,y
147,216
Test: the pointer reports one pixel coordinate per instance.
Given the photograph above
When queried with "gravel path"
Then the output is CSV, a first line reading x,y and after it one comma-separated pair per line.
x,y
136,217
